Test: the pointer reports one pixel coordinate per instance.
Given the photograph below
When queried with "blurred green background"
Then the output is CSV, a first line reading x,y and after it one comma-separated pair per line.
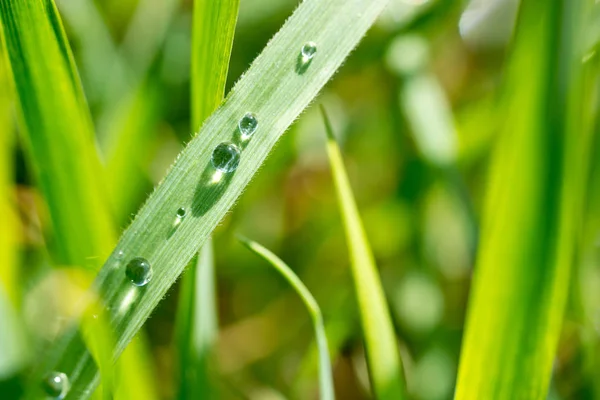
x,y
414,108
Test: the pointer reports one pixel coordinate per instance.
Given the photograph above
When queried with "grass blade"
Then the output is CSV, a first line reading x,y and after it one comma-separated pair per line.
x,y
380,340
9,234
277,87
56,124
325,378
213,30
212,39
533,212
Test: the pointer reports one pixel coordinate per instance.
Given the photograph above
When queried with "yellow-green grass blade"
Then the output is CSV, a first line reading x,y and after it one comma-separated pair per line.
x,y
10,230
276,88
326,390
56,125
213,28
383,359
533,212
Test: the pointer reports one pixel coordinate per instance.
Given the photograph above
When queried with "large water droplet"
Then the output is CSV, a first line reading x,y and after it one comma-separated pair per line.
x,y
139,271
247,125
308,51
56,385
226,157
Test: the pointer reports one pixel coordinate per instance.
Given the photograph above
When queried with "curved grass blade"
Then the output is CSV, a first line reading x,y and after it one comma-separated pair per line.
x,y
325,378
213,30
276,88
56,124
383,359
533,212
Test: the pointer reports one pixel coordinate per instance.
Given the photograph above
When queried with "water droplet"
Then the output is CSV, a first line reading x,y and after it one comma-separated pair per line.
x,y
56,385
247,125
226,157
139,271
308,51
179,217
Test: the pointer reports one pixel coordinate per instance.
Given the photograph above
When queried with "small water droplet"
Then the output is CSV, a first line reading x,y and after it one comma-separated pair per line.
x,y
179,217
247,125
226,157
56,385
139,271
308,51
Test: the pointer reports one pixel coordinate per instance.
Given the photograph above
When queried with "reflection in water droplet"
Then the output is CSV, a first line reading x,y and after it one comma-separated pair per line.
x,y
56,385
247,125
179,217
226,157
139,271
308,51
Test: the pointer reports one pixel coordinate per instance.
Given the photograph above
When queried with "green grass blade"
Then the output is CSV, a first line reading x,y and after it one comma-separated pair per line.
x,y
13,340
325,377
213,30
276,88
56,124
197,327
533,212
380,340
212,39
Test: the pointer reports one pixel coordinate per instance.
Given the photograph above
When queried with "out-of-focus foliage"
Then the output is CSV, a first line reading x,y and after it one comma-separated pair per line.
x,y
417,109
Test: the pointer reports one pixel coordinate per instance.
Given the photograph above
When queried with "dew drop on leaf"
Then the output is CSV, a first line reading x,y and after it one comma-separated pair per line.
x,y
56,385
179,216
308,51
226,157
139,271
247,125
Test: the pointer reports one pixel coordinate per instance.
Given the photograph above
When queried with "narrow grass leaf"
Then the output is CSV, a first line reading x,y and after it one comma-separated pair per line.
x,y
533,212
381,346
154,250
213,28
57,128
325,377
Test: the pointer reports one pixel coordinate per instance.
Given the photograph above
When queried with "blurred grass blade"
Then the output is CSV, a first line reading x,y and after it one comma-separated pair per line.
x,y
213,30
10,232
325,377
14,354
56,124
383,358
212,39
197,327
533,211
127,155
